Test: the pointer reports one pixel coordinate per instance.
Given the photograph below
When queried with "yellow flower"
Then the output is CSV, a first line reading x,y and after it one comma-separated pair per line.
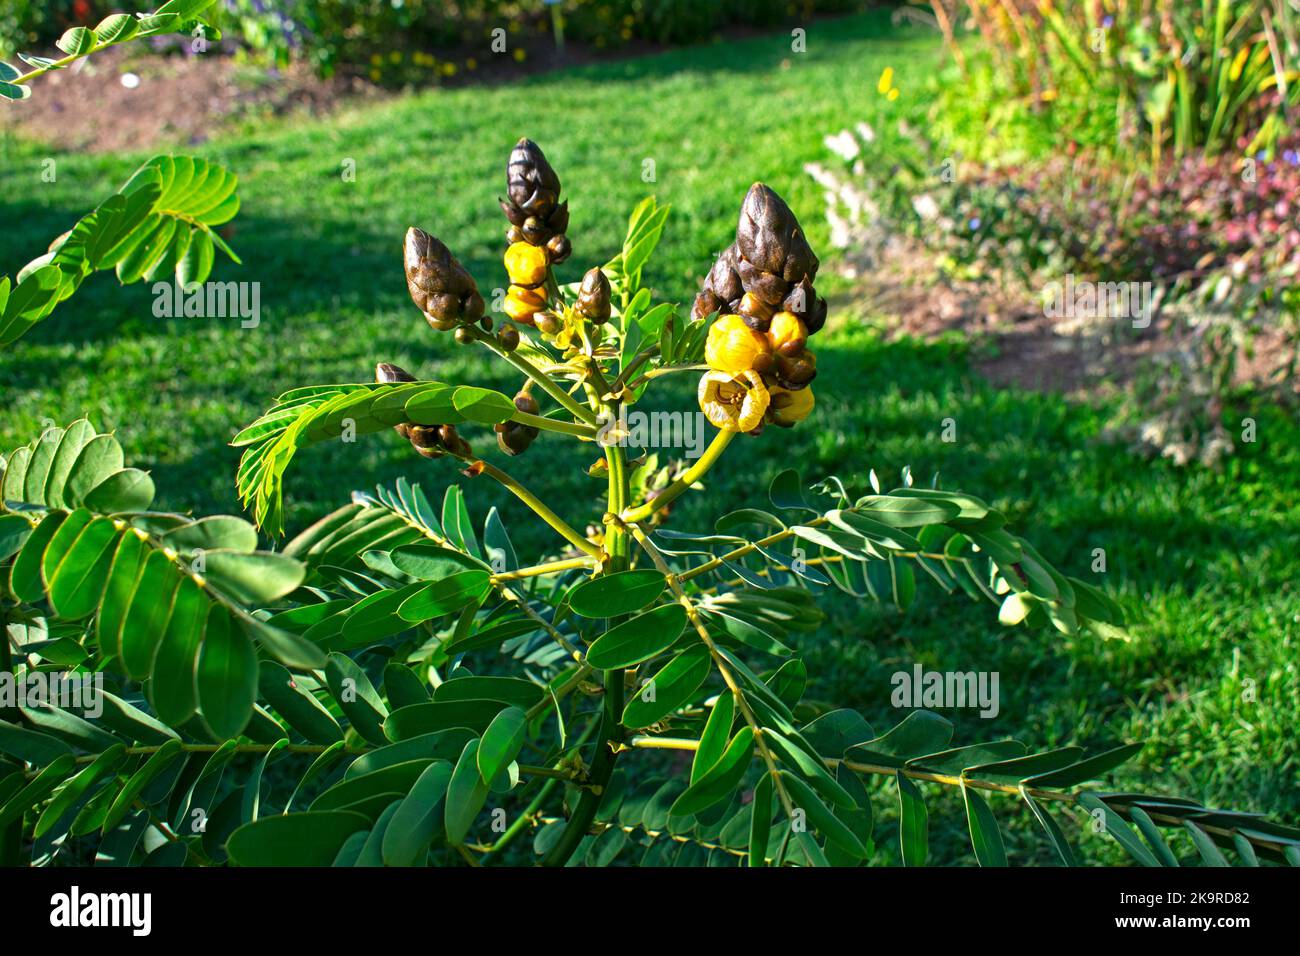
x,y
886,79
526,264
522,304
787,333
733,403
732,346
787,407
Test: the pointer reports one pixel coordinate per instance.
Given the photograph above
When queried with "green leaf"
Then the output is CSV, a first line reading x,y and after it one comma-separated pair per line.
x,y
301,709
786,492
415,822
29,745
77,787
1142,820
78,580
252,579
718,783
226,680
671,688
1210,853
1084,770
1115,826
826,823
99,458
357,697
54,774
294,839
160,760
124,491
25,576
438,598
415,720
717,731
172,690
501,742
639,639
76,41
913,823
430,562
899,512
224,532
985,837
760,822
1052,828
466,794
116,28
507,690
613,595
146,617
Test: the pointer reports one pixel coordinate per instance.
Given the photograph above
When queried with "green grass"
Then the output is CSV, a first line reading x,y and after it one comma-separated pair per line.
x,y
1205,562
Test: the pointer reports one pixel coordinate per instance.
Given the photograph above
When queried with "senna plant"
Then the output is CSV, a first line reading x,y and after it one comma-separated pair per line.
x,y
160,224
395,686
77,43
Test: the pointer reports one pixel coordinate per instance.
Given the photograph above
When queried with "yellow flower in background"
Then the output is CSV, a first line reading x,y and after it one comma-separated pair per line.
x,y
892,95
734,403
886,80
519,55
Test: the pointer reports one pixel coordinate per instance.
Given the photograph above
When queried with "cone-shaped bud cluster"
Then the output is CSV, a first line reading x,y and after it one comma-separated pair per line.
x,y
512,437
769,269
431,441
593,297
533,205
538,221
439,285
763,287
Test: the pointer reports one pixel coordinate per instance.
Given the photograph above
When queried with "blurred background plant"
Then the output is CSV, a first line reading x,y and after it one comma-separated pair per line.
x,y
410,42
1115,140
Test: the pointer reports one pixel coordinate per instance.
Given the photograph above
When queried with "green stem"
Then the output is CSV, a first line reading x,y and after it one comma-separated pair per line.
x,y
554,425
565,530
693,474
609,741
547,384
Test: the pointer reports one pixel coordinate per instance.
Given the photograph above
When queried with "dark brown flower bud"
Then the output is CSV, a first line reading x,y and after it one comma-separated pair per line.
x,y
526,403
796,372
547,323
531,183
425,437
508,338
464,336
559,248
387,372
770,238
593,297
558,221
439,285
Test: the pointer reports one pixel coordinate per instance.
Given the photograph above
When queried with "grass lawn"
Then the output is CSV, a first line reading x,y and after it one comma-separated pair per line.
x,y
1205,562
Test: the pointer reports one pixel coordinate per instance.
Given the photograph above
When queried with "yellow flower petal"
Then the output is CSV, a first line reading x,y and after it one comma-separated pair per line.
x,y
734,403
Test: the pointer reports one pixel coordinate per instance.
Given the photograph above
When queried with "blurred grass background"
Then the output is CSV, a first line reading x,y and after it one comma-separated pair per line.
x,y
1204,561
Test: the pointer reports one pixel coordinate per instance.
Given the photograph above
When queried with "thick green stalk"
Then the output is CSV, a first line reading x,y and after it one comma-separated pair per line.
x,y
565,530
611,730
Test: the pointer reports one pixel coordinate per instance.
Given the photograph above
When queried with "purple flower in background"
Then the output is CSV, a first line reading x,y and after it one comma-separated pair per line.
x,y
974,223
1292,157
1108,21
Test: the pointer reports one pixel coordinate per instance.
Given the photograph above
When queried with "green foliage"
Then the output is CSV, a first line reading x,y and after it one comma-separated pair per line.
x,y
174,16
160,223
